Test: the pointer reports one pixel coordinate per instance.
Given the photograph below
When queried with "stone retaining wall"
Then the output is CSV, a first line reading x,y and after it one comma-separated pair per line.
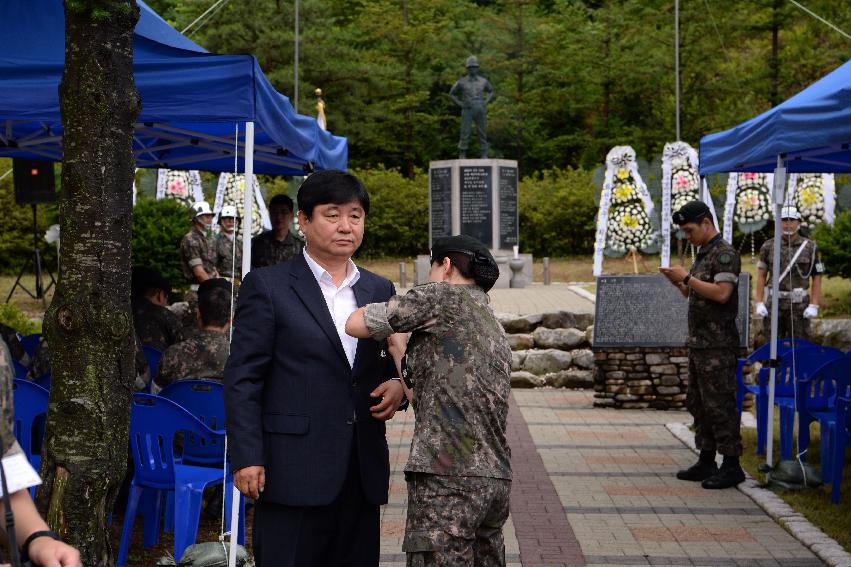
x,y
550,349
645,377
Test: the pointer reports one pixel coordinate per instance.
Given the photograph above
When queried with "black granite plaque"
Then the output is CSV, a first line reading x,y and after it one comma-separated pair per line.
x,y
476,203
440,195
507,207
647,311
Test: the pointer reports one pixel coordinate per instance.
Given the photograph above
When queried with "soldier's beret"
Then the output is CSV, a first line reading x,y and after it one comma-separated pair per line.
x,y
482,263
693,211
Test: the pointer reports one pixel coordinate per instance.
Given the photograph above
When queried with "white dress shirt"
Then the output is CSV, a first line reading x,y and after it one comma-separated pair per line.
x,y
341,300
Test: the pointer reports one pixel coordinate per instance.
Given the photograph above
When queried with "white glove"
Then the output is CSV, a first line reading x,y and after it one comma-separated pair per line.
x,y
761,311
811,311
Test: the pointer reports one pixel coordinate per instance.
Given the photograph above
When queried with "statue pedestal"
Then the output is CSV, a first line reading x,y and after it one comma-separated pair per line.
x,y
478,198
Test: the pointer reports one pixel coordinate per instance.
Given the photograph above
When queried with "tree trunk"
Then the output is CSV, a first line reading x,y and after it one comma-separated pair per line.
x,y
88,324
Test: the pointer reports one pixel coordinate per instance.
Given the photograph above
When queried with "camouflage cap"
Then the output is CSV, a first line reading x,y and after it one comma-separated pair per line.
x,y
482,264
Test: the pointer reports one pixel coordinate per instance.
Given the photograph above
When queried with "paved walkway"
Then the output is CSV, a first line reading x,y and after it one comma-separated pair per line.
x,y
597,487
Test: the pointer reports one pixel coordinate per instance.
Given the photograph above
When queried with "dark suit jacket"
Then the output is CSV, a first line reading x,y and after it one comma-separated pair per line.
x,y
291,397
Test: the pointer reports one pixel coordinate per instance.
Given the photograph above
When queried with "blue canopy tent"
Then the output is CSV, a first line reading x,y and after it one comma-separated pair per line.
x,y
808,133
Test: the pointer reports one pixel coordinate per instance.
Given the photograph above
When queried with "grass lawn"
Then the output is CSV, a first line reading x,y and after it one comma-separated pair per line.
x,y
832,519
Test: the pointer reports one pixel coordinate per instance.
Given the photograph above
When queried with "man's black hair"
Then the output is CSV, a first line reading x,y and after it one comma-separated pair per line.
x,y
214,296
331,186
282,201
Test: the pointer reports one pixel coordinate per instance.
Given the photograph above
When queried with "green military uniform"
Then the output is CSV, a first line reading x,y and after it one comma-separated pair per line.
x,y
13,341
794,296
713,340
197,250
266,250
155,325
459,469
228,255
8,443
200,357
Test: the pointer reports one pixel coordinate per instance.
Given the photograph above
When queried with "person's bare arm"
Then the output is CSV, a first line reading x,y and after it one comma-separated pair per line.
x,y
761,276
43,551
815,292
356,326
718,292
200,273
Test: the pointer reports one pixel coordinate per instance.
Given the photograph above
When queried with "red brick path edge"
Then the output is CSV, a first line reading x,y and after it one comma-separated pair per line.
x,y
541,526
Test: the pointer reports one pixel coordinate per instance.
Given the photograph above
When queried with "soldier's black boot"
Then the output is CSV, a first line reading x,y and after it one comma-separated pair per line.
x,y
730,474
704,468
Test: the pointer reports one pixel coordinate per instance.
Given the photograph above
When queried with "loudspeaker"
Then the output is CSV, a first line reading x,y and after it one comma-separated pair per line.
x,y
34,181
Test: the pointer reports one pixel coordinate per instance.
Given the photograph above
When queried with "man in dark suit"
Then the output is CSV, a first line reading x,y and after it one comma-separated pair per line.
x,y
306,403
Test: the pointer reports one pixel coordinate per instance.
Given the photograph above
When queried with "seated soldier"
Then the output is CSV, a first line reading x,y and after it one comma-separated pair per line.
x,y
204,355
155,325
12,339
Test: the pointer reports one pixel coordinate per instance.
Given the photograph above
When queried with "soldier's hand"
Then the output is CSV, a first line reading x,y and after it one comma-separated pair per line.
x,y
48,552
811,311
250,480
391,394
761,310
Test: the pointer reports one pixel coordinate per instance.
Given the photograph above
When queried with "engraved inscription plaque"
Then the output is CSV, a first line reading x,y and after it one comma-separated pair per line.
x,y
508,228
440,196
646,310
476,203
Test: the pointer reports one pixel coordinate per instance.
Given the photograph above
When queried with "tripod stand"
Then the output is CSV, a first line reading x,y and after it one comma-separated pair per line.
x,y
35,262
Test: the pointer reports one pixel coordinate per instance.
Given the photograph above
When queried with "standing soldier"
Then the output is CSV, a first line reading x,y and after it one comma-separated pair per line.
x,y
713,340
799,261
228,245
279,244
458,363
473,93
196,248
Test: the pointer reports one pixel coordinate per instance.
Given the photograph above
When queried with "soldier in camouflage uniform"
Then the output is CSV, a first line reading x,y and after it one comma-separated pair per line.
x,y
796,306
13,341
458,363
45,548
228,245
204,355
713,340
155,325
197,252
279,244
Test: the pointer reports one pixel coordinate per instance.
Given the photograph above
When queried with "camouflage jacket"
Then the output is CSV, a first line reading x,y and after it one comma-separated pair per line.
x,y
155,325
197,250
8,443
266,250
459,361
200,357
13,341
712,324
228,259
807,265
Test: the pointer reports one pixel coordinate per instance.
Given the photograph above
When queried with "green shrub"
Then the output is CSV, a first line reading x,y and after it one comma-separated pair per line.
x,y
13,317
835,245
397,223
158,227
557,213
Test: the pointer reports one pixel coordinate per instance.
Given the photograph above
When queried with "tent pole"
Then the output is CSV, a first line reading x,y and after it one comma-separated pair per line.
x,y
778,198
677,62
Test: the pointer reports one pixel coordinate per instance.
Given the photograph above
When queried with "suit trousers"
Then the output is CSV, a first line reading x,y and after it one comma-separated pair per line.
x,y
344,533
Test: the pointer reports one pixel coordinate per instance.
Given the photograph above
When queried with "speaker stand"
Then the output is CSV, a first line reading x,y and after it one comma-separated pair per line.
x,y
34,262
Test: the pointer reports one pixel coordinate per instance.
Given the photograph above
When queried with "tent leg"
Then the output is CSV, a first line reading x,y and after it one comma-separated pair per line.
x,y
248,198
778,198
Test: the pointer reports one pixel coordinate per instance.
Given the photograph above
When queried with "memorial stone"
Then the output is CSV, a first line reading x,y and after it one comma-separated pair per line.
x,y
508,220
477,203
440,202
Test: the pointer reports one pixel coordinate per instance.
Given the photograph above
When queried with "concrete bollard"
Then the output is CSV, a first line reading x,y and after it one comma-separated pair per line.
x,y
403,276
546,271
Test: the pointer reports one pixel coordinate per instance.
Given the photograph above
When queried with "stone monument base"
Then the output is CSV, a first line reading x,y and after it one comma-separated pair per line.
x,y
422,267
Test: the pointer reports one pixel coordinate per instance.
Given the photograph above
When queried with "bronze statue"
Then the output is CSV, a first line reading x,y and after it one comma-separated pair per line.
x,y
472,93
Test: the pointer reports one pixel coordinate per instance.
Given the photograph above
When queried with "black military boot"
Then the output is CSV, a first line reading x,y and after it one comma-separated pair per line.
x,y
704,468
730,474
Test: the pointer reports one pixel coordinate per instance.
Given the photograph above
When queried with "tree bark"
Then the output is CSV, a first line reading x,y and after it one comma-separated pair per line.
x,y
88,325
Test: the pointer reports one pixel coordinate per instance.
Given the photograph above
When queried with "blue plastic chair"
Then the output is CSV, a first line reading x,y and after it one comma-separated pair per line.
x,y
153,357
154,422
20,370
30,401
840,430
205,399
760,389
44,381
816,401
30,343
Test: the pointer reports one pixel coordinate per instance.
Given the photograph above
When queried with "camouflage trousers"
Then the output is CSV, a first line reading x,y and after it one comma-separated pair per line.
x,y
790,321
711,400
456,521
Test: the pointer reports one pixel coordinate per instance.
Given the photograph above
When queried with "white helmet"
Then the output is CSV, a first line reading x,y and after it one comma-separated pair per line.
x,y
790,212
228,211
201,208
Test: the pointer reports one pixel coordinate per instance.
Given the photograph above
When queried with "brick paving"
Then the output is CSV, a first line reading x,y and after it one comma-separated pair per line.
x,y
596,487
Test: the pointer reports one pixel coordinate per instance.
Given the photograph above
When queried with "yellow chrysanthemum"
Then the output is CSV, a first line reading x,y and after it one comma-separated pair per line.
x,y
809,197
622,173
630,221
623,191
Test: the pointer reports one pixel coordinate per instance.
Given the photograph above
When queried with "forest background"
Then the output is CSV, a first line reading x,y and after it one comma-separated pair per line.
x,y
573,78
